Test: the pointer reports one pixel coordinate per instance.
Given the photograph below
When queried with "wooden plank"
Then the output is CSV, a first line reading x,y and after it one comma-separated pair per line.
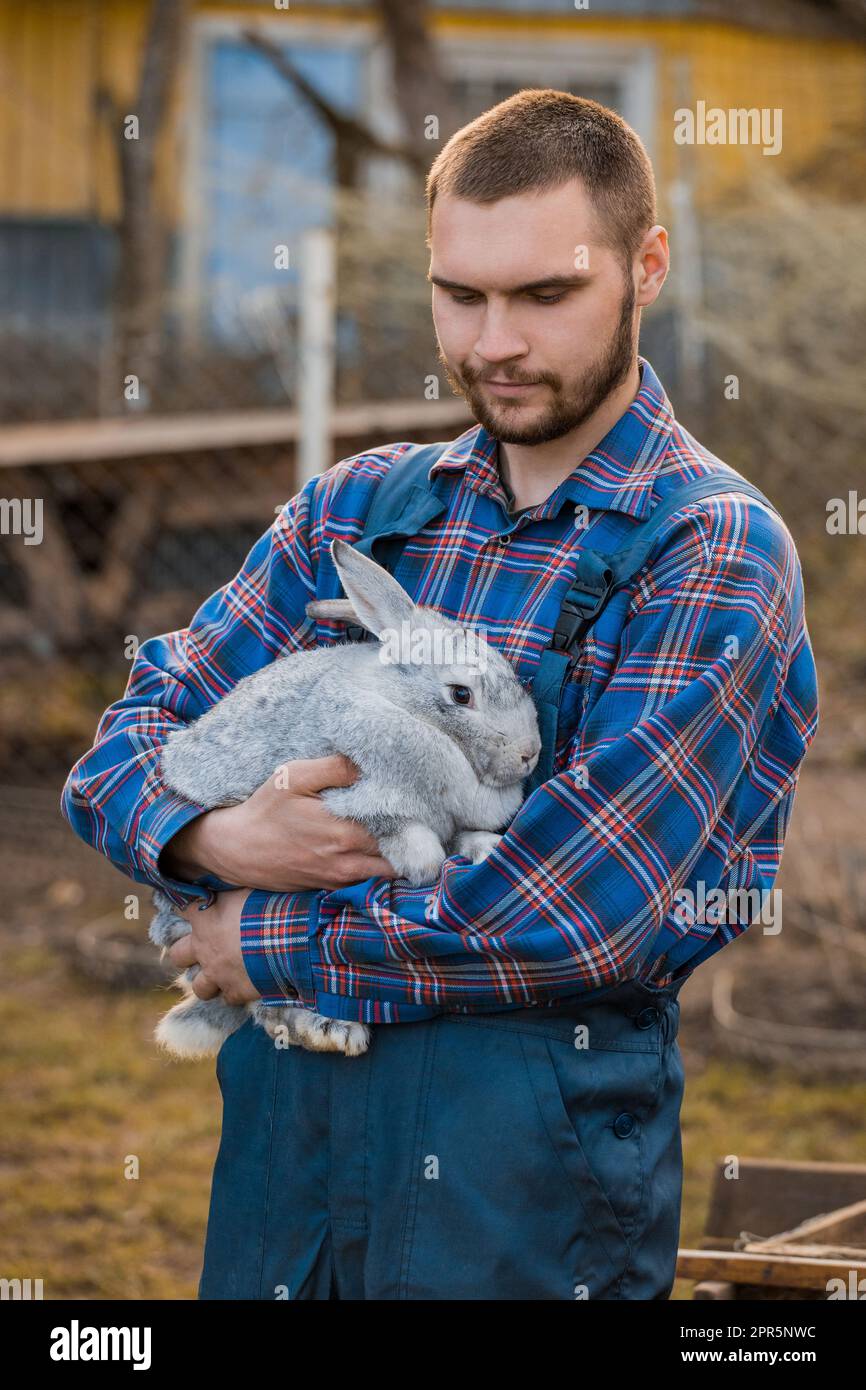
x,y
820,1252
846,1224
714,1289
776,1271
770,1196
83,441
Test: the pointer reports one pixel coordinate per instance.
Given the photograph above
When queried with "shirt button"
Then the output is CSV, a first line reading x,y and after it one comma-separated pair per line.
x,y
503,540
623,1125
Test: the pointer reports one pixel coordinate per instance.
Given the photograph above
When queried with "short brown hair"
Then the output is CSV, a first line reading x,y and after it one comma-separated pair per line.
x,y
541,138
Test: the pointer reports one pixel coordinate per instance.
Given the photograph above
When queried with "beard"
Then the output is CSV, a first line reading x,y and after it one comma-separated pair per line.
x,y
571,406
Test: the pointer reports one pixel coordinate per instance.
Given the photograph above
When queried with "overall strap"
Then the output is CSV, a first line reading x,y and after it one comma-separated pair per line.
x,y
402,505
598,575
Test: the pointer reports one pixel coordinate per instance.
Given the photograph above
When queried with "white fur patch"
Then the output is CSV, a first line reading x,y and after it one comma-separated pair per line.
x,y
320,1034
185,1035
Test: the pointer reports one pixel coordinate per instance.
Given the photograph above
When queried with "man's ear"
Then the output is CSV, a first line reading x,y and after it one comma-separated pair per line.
x,y
653,260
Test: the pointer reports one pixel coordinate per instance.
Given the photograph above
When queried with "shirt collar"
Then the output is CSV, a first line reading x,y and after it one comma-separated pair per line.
x,y
618,475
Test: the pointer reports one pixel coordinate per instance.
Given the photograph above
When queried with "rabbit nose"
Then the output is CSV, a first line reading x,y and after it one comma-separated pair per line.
x,y
529,750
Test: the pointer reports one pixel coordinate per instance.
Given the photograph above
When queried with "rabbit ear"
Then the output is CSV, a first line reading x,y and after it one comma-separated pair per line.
x,y
378,600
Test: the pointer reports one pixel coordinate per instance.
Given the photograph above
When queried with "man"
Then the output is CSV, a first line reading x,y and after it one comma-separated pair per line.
x,y
513,1131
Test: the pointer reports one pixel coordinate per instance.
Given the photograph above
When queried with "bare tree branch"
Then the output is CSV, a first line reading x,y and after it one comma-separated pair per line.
x,y
142,239
353,139
419,83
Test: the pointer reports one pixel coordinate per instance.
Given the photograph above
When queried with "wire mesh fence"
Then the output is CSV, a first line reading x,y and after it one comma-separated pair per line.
x,y
145,514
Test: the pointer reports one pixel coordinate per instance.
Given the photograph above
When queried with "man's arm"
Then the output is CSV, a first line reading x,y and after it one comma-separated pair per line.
x,y
680,774
115,797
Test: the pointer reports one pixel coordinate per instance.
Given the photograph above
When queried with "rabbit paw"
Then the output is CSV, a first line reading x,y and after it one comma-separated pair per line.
x,y
167,926
416,852
319,1034
476,844
315,1032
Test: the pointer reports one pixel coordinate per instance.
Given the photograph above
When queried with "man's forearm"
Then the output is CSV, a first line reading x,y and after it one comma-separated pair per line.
x,y
193,852
283,838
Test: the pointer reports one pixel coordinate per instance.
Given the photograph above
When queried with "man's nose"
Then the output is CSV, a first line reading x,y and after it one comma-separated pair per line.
x,y
499,340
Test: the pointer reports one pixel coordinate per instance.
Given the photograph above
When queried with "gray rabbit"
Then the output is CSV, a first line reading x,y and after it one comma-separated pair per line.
x,y
441,729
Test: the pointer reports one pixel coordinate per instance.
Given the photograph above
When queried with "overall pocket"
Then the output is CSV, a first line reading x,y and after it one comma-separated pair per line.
x,y
503,1202
594,1103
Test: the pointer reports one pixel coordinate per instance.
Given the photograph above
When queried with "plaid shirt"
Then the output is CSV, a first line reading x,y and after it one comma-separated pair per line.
x,y
688,714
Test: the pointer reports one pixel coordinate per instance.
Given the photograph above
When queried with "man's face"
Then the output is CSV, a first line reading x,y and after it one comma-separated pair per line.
x,y
561,349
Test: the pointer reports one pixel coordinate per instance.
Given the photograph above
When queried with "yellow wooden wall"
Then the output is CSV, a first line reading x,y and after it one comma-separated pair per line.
x,y
55,158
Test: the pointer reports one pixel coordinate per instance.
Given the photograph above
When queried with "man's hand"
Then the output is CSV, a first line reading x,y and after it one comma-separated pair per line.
x,y
283,838
215,944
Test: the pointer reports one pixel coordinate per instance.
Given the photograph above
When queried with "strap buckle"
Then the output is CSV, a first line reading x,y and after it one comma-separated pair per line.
x,y
580,607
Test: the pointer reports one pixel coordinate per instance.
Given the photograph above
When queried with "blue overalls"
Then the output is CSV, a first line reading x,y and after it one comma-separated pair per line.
x,y
528,1154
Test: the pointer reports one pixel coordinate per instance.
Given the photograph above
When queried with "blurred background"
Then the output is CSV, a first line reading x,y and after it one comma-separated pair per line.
x,y
212,286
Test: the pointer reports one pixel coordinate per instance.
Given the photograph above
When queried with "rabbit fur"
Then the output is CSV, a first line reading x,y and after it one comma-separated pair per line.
x,y
437,776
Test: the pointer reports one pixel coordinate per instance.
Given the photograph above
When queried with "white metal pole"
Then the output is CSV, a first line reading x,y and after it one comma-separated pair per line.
x,y
316,345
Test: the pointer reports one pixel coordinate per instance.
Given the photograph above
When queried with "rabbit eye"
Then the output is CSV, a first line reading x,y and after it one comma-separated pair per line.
x,y
461,694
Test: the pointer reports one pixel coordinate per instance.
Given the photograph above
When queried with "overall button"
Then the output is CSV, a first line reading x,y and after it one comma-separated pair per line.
x,y
623,1125
647,1017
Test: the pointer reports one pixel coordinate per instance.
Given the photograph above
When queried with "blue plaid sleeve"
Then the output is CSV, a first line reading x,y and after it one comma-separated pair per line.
x,y
681,774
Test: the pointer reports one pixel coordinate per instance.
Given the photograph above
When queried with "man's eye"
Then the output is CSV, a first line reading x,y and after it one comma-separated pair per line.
x,y
539,298
461,694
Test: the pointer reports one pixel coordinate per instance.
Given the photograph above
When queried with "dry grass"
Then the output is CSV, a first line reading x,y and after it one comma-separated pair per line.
x,y
83,1090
